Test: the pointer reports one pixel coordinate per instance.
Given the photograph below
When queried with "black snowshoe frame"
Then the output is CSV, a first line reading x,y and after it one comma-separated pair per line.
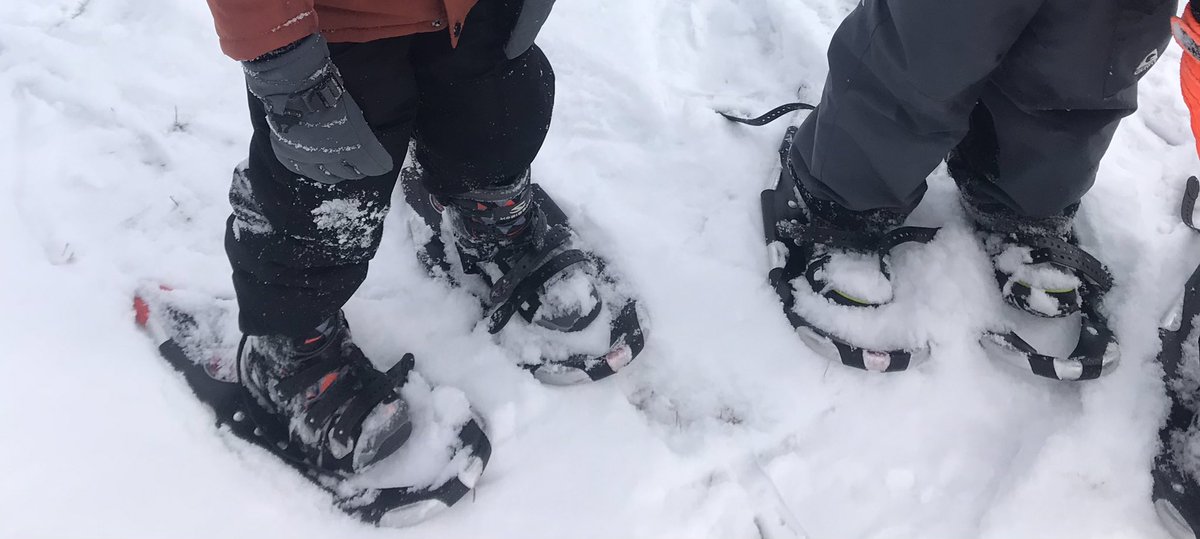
x,y
516,291
1095,354
240,414
1176,493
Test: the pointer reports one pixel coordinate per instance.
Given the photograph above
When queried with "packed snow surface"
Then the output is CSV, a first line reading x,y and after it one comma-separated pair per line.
x,y
120,127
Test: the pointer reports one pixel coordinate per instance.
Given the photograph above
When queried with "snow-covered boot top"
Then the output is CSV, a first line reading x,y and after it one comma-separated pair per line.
x,y
343,412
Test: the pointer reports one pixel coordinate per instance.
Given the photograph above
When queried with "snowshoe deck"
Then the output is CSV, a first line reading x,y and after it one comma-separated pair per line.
x,y
626,338
197,337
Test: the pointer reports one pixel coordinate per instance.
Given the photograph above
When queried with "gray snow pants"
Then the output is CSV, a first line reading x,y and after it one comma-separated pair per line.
x,y
1048,80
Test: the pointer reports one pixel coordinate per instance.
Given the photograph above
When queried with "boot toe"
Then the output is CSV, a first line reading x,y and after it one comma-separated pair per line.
x,y
384,431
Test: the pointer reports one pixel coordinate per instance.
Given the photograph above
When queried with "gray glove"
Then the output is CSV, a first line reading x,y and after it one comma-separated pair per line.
x,y
316,128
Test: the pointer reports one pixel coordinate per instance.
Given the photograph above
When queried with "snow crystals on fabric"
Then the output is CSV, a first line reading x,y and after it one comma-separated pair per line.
x,y
248,217
348,222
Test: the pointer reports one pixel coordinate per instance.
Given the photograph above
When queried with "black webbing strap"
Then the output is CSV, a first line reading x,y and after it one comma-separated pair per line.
x,y
1190,193
506,285
526,289
770,116
854,239
1060,253
906,234
844,239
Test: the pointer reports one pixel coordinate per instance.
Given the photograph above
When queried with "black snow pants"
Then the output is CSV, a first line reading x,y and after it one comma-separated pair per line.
x,y
1034,89
299,248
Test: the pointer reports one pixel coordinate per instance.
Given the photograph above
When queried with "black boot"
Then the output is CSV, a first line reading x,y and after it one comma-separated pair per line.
x,y
502,233
515,249
343,412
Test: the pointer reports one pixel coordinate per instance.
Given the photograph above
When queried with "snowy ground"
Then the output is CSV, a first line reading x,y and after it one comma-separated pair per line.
x,y
120,125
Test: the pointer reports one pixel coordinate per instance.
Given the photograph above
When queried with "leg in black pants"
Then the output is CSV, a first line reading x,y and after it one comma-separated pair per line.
x,y
299,249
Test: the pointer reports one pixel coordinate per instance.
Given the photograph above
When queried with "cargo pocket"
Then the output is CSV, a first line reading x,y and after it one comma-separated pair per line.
x,y
1140,36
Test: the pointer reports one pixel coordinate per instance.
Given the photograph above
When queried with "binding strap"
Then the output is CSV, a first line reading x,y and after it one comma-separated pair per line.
x,y
525,291
1190,194
1063,254
1097,351
505,286
770,116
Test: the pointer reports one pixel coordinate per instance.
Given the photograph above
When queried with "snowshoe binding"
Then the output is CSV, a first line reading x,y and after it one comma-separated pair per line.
x,y
319,406
847,267
1042,271
513,247
341,412
1176,472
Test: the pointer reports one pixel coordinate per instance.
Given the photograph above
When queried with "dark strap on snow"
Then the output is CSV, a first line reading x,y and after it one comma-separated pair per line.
x,y
906,234
507,285
1061,253
526,290
801,233
770,116
1190,194
854,239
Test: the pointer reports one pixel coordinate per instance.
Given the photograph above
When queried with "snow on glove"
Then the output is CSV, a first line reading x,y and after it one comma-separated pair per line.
x,y
316,128
1187,32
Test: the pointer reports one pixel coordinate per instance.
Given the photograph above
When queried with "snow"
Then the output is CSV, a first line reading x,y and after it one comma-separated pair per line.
x,y
857,275
122,124
349,220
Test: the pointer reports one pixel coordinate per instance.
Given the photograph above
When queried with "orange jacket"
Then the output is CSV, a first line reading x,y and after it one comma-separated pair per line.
x,y
250,28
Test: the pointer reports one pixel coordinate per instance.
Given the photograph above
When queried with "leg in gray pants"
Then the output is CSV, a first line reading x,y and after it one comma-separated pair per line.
x,y
1036,87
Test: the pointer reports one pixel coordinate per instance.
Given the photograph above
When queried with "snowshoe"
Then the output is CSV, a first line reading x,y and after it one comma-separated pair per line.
x,y
197,335
1050,277
798,249
514,248
1042,273
1176,491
